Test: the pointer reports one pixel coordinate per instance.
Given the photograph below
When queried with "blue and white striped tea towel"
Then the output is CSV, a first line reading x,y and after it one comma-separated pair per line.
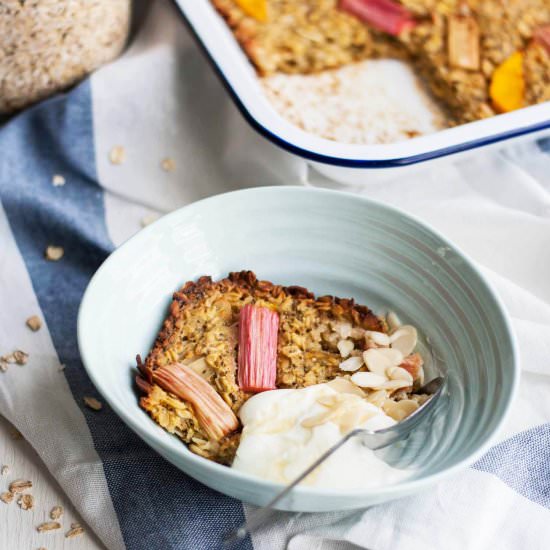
x,y
162,100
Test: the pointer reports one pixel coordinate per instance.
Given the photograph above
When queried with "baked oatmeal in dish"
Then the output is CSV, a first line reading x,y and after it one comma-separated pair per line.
x,y
225,343
477,58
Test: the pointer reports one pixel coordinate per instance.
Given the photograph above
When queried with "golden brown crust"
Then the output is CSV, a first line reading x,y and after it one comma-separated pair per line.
x,y
201,330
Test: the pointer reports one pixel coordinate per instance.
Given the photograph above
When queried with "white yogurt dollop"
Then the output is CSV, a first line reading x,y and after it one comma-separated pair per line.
x,y
285,431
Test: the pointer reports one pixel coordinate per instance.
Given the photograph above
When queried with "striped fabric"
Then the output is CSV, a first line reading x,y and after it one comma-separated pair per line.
x,y
162,100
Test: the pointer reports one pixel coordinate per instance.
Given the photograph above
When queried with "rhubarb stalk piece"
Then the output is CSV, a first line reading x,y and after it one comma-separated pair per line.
x,y
213,413
258,329
385,15
463,42
542,36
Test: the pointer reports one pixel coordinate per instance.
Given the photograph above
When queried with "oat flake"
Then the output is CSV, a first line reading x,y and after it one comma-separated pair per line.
x,y
20,357
75,531
54,253
26,502
58,180
93,403
48,526
20,485
117,155
6,497
34,323
56,512
168,164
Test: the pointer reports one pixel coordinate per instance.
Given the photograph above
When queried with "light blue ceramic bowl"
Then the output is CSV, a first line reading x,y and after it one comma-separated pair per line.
x,y
332,243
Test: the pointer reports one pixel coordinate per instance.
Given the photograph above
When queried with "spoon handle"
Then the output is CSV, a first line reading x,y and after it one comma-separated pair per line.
x,y
259,516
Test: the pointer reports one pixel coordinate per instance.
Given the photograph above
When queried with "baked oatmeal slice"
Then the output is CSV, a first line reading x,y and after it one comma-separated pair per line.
x,y
485,32
201,333
304,36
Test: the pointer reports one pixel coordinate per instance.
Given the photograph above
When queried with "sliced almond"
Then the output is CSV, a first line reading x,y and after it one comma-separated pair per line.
x,y
401,409
343,385
343,329
377,339
368,380
357,333
398,373
392,385
404,339
377,398
463,42
318,419
352,364
345,347
380,359
393,321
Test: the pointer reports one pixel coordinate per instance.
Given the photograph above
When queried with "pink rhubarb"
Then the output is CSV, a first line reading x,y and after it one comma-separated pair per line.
x,y
213,413
385,15
258,329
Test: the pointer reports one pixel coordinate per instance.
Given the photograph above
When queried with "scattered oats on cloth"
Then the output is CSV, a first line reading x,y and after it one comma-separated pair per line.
x,y
156,100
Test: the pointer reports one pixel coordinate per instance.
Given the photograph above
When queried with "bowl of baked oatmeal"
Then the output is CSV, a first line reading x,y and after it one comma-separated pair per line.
x,y
381,84
243,335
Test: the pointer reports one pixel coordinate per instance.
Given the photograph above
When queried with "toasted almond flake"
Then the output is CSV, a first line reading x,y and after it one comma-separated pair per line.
x,y
351,364
34,323
56,512
404,339
393,321
401,409
168,164
342,329
20,357
377,397
117,155
368,380
463,42
93,403
377,339
392,385
75,531
5,470
380,359
54,253
58,180
343,385
20,485
6,497
9,359
398,373
48,526
345,347
26,502
149,219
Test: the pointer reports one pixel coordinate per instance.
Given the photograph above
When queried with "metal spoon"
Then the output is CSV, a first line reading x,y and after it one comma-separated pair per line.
x,y
372,439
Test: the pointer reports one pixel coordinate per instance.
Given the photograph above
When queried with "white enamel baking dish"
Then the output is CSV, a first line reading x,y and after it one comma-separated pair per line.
x,y
345,162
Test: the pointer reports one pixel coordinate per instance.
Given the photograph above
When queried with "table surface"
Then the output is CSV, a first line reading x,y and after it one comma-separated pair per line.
x,y
18,527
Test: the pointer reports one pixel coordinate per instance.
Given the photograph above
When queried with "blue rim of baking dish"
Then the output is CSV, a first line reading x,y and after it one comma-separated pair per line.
x,y
353,163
